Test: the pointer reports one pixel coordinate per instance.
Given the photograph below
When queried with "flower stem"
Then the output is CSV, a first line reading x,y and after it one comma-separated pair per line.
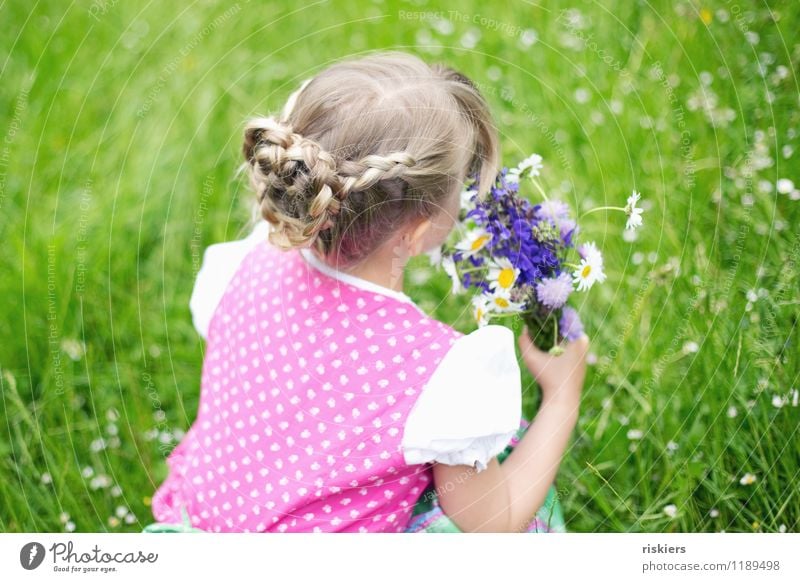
x,y
540,189
510,314
599,208
555,330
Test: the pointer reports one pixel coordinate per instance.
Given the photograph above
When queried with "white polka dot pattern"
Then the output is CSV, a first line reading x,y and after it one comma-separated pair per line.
x,y
306,386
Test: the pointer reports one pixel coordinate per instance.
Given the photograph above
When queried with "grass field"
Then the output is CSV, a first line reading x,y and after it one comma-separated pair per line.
x,y
121,131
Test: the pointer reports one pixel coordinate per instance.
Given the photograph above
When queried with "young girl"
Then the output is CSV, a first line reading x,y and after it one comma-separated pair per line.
x,y
330,401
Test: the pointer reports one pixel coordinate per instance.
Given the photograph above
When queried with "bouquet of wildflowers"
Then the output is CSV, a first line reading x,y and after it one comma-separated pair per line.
x,y
525,259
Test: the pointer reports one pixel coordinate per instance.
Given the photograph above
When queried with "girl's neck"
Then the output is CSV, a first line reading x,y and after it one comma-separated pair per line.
x,y
384,267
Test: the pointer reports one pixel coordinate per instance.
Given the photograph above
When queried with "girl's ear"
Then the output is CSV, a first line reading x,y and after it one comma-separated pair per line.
x,y
415,238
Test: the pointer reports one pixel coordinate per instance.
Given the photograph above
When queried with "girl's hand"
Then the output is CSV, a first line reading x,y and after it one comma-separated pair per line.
x,y
560,377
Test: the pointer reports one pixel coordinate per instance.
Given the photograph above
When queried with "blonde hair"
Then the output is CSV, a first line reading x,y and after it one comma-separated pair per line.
x,y
365,146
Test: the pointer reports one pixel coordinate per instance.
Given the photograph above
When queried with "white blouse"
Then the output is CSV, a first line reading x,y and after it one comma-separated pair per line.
x,y
470,408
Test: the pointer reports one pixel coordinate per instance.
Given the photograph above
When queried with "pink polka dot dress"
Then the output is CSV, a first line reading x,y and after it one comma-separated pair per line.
x,y
310,416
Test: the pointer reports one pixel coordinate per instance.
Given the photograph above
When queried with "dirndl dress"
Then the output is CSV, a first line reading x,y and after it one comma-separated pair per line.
x,y
428,516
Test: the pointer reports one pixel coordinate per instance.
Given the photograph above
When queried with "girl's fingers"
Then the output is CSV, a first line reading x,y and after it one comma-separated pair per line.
x,y
532,355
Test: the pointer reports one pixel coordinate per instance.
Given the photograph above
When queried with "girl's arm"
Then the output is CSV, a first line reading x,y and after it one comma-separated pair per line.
x,y
505,498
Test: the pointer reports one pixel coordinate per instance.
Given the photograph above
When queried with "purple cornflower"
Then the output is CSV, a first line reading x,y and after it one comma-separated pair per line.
x,y
553,292
570,326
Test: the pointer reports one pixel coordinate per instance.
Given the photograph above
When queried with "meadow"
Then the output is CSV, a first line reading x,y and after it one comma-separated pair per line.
x,y
121,125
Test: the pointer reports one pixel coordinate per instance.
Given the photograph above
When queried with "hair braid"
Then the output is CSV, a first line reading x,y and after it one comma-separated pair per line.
x,y
295,180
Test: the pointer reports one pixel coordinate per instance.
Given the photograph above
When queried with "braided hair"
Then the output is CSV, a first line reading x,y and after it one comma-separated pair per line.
x,y
364,147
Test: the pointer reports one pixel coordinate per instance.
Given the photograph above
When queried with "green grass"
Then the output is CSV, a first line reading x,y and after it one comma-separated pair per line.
x,y
121,127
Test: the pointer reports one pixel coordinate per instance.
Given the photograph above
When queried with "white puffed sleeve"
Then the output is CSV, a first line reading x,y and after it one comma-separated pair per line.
x,y
220,262
472,405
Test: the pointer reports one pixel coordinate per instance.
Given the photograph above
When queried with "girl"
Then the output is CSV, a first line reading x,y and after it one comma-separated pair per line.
x,y
329,401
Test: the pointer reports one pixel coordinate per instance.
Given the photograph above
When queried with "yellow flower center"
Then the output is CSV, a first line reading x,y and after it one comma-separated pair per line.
x,y
478,314
479,242
586,270
506,278
501,302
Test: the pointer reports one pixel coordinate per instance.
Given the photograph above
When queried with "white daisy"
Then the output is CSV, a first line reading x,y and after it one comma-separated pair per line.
x,y
634,213
480,309
449,266
502,274
435,256
670,510
589,251
501,302
467,198
589,272
530,166
475,240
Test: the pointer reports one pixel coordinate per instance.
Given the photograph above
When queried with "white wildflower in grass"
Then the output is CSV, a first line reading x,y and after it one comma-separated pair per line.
x,y
795,397
475,240
449,267
713,513
672,446
46,479
97,445
747,479
690,347
73,348
102,481
732,412
635,434
589,272
554,291
121,511
130,518
785,186
502,274
63,517
634,213
530,166
778,401
671,510
501,302
480,309
69,526
782,528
